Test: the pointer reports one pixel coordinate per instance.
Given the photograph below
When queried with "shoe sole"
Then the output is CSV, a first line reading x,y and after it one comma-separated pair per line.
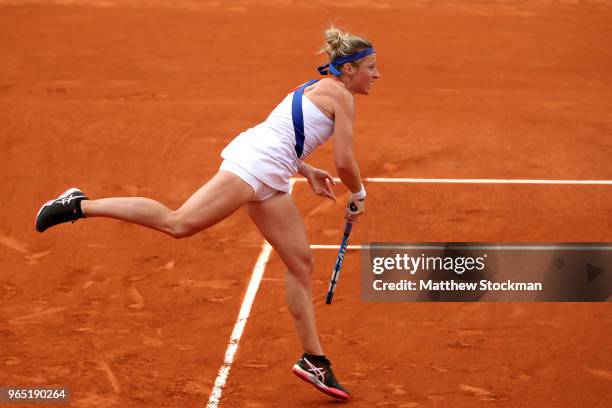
x,y
48,203
312,379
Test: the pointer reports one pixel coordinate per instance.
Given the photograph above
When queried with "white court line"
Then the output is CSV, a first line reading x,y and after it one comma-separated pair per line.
x,y
349,247
476,181
243,316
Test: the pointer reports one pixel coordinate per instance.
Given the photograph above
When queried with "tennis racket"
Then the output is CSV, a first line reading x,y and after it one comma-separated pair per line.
x,y
348,226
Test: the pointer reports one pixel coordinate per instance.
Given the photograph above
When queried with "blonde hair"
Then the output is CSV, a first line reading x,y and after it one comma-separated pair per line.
x,y
339,43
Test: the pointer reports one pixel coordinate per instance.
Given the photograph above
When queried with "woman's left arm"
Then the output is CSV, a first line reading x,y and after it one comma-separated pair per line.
x,y
320,181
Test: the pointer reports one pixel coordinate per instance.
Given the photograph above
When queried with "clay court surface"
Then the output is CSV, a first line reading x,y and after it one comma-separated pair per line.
x,y
125,98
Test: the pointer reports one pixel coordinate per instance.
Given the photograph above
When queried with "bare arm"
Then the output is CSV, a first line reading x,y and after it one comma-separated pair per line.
x,y
344,158
346,165
336,101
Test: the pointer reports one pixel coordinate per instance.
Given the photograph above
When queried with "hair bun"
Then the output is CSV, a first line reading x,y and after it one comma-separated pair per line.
x,y
334,37
339,43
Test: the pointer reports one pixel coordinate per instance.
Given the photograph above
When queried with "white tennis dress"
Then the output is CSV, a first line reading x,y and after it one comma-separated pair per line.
x,y
267,151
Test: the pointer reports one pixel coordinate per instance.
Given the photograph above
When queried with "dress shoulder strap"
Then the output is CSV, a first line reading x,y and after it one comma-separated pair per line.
x,y
297,114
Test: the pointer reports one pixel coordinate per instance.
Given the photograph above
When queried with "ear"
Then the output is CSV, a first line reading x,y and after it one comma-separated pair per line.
x,y
348,68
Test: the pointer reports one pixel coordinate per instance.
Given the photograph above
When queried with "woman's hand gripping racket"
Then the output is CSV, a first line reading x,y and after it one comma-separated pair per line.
x,y
348,226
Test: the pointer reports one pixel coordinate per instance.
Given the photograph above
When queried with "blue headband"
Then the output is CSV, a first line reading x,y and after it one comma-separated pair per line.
x,y
331,67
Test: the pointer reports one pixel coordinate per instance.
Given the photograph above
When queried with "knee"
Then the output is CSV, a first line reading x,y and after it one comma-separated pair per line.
x,y
303,264
178,228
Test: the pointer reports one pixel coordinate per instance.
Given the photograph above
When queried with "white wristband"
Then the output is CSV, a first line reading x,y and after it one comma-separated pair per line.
x,y
361,195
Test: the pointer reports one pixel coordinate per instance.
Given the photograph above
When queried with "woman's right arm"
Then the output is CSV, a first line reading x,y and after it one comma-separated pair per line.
x,y
344,158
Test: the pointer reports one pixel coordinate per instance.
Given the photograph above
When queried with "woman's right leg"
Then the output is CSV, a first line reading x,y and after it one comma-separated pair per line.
x,y
213,202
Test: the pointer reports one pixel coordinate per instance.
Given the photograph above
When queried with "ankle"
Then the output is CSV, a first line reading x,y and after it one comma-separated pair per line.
x,y
82,212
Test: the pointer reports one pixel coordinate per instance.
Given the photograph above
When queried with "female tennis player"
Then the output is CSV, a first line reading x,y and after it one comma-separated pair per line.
x,y
255,173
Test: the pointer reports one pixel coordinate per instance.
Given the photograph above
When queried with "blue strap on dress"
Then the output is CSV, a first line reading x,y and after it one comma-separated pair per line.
x,y
297,114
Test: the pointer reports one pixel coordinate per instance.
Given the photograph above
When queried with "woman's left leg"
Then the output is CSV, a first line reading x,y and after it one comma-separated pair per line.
x,y
281,225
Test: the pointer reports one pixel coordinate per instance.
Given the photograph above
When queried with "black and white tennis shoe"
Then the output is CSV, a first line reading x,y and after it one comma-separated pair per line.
x,y
317,371
66,207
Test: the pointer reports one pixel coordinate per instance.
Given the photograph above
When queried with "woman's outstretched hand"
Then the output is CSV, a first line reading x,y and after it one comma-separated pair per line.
x,y
321,182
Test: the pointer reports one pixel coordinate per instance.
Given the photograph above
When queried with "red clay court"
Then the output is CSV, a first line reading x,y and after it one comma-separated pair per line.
x,y
124,97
